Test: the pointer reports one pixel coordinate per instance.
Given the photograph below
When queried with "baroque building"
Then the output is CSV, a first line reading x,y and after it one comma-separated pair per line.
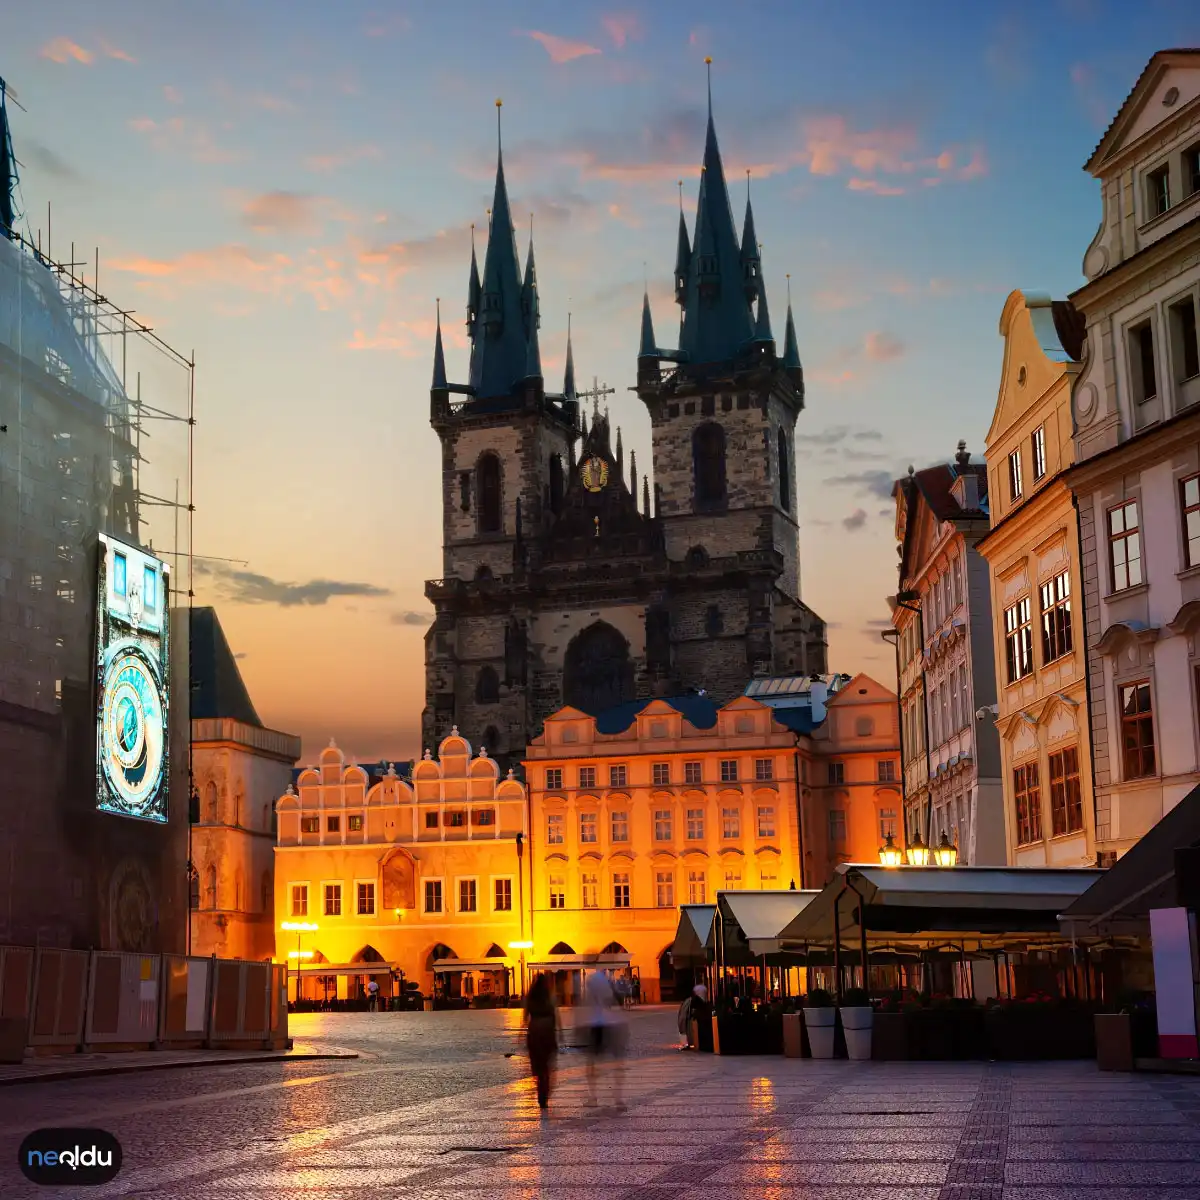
x,y
942,612
1136,479
570,579
1033,553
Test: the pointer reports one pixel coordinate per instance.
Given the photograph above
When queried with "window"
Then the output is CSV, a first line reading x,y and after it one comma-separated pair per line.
x,y
1056,617
1186,352
1158,191
456,819
1191,170
769,879
488,488
733,879
150,588
697,887
766,821
333,899
885,770
837,772
1141,358
433,895
695,824
785,474
664,889
1027,793
620,826
587,777
1137,730
729,770
621,889
662,824
558,892
554,779
1189,503
556,483
887,823
483,816
466,895
1124,546
589,887
366,899
837,826
1015,484
708,464
299,899
354,823
731,824
503,892
1018,640
333,824
660,774
1066,799
310,824
587,827
764,769
691,772
120,568
487,686
1037,447
554,829
431,820
464,490
617,776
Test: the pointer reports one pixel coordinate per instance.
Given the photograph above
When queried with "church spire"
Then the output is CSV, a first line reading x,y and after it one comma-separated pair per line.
x,y
751,255
621,453
569,373
648,348
791,351
683,255
474,288
632,474
762,325
533,352
440,383
529,304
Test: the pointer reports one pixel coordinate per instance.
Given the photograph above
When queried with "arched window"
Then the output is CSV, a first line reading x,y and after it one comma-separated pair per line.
x,y
556,484
561,948
210,888
598,672
491,740
697,556
483,573
488,488
487,686
785,474
708,461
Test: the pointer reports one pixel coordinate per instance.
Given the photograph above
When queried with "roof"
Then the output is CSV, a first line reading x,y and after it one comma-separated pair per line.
x,y
375,770
693,935
1071,327
699,711
217,686
762,916
927,900
1143,878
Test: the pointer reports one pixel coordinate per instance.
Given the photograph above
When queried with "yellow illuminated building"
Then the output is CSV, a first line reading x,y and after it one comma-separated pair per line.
x,y
419,876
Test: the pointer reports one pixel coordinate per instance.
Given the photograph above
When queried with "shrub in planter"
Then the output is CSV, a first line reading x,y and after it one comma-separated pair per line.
x,y
820,1016
1041,1026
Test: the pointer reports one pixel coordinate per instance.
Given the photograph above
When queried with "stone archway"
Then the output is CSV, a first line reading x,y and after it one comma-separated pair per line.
x,y
598,671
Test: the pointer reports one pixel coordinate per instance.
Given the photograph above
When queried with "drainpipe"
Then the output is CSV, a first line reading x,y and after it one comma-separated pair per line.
x,y
893,636
1087,662
799,810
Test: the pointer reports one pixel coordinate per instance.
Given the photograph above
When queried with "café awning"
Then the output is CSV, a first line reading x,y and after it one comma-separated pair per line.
x,y
693,936
363,968
752,922
456,966
577,962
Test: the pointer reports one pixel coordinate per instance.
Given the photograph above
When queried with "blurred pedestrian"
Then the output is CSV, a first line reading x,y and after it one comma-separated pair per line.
x,y
373,995
541,1036
606,1032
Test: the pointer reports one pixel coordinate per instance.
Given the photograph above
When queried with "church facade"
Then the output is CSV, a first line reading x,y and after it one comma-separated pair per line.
x,y
568,579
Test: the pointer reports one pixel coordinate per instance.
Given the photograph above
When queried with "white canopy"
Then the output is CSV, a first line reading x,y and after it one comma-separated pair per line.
x,y
762,916
455,966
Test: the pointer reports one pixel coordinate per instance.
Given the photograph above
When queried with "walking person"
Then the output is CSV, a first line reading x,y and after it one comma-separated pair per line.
x,y
541,1036
606,1032
373,995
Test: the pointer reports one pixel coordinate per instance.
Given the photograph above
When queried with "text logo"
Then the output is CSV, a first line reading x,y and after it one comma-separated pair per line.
x,y
69,1157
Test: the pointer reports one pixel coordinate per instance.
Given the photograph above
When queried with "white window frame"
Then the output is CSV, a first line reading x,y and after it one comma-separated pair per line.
x,y
340,885
758,820
595,824
495,879
736,811
560,820
697,876
440,880
700,823
664,877
374,898
459,880
300,883
623,813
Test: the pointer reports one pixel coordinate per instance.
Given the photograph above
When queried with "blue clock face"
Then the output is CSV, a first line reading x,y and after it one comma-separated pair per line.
x,y
132,732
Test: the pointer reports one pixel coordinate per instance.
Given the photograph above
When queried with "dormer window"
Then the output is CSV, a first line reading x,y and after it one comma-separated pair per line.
x,y
1158,191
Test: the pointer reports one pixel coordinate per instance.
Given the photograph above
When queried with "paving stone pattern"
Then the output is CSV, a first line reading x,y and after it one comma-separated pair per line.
x,y
667,1125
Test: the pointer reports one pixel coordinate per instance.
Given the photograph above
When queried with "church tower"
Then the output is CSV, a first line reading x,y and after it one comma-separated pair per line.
x,y
723,409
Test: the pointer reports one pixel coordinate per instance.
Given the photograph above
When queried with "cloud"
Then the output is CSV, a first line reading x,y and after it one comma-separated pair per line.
x,y
411,618
281,212
855,521
116,52
379,25
873,186
49,162
622,27
172,95
1008,52
561,50
231,264
323,163
179,135
872,483
835,435
882,347
63,50
246,587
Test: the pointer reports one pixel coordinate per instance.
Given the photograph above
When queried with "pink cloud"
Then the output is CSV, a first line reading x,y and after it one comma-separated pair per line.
x,y
560,49
63,50
281,212
322,163
1089,94
882,347
856,184
178,135
622,27
116,52
172,95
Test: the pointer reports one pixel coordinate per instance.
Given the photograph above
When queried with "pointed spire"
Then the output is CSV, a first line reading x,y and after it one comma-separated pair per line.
x,y
439,357
529,302
683,255
583,429
633,474
621,452
791,350
474,287
8,169
762,325
648,347
569,373
533,353
646,495
751,256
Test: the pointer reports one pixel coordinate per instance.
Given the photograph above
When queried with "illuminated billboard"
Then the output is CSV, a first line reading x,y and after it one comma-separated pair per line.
x,y
132,682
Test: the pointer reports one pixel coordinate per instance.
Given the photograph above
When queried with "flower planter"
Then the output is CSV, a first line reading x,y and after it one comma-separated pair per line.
x,y
1114,1041
819,1023
890,1037
1023,1032
856,1024
793,1035
747,1033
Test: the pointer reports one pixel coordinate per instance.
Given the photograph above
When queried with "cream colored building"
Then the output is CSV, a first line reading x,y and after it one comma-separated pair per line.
x,y
406,874
1033,553
1137,452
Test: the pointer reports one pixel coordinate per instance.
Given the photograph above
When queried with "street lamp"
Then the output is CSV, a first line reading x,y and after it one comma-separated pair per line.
x,y
522,946
946,854
918,852
299,928
890,855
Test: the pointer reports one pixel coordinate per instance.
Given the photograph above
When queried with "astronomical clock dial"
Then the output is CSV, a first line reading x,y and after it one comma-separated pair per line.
x,y
595,474
131,729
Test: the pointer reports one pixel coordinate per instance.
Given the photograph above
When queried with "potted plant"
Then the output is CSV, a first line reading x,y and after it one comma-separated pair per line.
x,y
1128,1031
857,1016
820,1015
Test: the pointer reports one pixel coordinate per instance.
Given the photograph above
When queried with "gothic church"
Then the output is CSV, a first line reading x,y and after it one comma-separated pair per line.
x,y
567,578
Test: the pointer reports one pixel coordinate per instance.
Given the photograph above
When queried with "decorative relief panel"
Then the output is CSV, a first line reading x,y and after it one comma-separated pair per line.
x,y
1062,724
1016,584
1052,559
1025,741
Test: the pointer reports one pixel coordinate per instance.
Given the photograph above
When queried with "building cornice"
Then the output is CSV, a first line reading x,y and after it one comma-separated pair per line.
x,y
1118,279
1144,449
229,733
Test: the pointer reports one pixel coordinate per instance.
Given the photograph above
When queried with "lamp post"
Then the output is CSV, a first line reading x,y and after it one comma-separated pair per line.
x,y
890,855
299,928
917,852
521,944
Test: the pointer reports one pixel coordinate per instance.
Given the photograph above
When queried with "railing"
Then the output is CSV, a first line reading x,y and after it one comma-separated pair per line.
x,y
77,999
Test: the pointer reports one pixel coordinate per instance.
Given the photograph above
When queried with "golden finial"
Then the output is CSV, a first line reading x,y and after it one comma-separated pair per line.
x,y
500,103
707,63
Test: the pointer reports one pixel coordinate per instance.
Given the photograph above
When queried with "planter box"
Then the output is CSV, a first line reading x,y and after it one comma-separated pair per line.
x,y
13,1035
819,1024
793,1035
1114,1042
890,1037
930,1035
747,1033
856,1025
1018,1033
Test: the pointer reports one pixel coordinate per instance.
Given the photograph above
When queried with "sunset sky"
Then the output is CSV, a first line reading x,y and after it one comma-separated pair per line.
x,y
286,187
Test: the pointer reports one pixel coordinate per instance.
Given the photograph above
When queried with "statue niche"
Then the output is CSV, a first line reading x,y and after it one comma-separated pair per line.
x,y
598,672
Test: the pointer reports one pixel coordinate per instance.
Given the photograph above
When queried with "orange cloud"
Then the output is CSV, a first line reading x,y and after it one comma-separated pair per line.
x,y
281,212
178,135
63,50
227,265
562,50
855,184
621,27
323,163
111,51
882,347
172,95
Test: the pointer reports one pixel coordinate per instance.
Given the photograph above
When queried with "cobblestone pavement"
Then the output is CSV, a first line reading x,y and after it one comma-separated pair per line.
x,y
437,1112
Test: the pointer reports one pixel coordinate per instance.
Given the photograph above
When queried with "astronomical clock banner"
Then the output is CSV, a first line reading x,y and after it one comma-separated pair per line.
x,y
133,683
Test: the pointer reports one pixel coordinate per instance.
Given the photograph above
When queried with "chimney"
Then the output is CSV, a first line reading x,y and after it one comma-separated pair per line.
x,y
965,488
